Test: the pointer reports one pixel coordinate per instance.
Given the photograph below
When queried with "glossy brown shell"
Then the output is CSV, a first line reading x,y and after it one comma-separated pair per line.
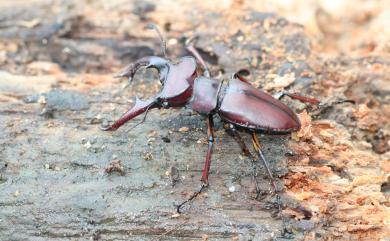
x,y
179,80
248,107
204,96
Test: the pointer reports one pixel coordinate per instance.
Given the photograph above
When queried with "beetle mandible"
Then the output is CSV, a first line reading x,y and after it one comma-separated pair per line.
x,y
238,104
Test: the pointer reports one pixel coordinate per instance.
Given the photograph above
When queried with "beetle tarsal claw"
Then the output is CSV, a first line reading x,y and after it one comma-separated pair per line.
x,y
202,187
106,128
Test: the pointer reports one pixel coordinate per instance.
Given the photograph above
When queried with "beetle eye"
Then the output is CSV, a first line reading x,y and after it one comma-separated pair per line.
x,y
243,72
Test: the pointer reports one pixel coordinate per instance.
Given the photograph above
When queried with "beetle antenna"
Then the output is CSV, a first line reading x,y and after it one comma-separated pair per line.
x,y
162,39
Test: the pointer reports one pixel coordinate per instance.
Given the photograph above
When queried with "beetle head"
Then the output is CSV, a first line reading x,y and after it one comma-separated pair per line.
x,y
176,78
161,65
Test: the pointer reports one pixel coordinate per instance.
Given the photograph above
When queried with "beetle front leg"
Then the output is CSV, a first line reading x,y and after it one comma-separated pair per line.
x,y
231,130
197,56
205,175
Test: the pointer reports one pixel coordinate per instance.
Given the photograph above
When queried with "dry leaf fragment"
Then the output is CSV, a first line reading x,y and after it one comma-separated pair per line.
x,y
385,166
176,215
367,119
280,82
361,111
29,24
115,166
42,100
148,156
361,227
152,133
205,237
367,179
184,129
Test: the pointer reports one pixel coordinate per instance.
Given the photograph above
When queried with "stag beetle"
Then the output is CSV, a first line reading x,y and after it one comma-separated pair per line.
x,y
235,100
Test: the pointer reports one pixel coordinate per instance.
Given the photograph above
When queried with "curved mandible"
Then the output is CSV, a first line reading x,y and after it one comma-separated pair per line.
x,y
162,66
139,107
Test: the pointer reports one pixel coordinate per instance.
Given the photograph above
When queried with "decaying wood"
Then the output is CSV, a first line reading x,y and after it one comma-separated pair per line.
x,y
62,178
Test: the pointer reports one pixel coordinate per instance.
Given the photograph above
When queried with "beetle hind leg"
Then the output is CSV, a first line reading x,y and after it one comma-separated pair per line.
x,y
202,187
257,146
231,130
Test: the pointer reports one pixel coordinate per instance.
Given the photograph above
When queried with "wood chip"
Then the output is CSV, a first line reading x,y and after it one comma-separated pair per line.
x,y
184,129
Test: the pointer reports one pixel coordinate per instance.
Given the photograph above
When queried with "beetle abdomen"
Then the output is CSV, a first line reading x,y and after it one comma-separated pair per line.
x,y
249,107
204,96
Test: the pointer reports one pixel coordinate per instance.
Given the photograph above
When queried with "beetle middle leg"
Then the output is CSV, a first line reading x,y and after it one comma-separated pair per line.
x,y
231,130
321,105
301,98
205,175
